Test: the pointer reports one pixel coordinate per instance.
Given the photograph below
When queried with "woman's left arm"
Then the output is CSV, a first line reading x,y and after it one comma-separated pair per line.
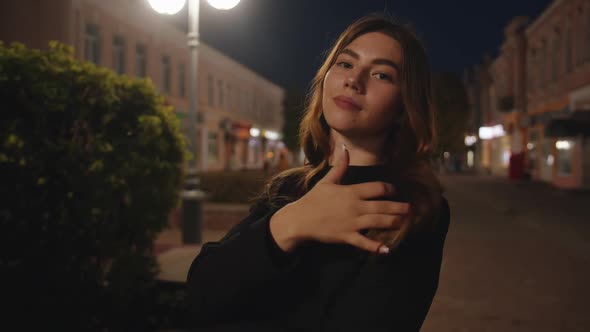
x,y
424,268
394,293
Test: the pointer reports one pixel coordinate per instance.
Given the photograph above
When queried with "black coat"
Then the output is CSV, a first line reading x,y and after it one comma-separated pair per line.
x,y
246,282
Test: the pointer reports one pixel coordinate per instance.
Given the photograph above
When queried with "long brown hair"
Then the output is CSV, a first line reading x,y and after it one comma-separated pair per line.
x,y
411,142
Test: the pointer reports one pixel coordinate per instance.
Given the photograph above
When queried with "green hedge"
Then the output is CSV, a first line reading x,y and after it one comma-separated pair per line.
x,y
91,166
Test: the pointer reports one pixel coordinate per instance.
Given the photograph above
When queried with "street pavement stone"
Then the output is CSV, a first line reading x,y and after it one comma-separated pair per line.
x,y
516,258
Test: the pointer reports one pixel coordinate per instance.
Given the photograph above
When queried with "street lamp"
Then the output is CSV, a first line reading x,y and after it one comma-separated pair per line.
x,y
172,7
192,197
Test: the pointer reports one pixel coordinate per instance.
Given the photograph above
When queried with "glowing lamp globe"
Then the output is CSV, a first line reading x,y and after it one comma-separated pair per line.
x,y
169,7
224,4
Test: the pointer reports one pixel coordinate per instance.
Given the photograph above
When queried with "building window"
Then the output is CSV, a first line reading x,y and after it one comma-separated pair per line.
x,y
587,30
210,91
249,103
548,159
266,111
530,70
255,107
556,58
242,101
581,36
565,151
533,152
272,111
212,150
92,43
254,155
568,47
543,64
166,74
119,54
182,80
220,93
229,101
140,60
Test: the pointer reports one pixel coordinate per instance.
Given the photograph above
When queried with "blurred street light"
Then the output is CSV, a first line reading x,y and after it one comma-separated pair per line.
x,y
223,4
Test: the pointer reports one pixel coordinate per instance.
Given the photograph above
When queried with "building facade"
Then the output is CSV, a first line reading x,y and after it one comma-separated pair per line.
x,y
492,149
239,112
558,94
534,98
508,72
473,91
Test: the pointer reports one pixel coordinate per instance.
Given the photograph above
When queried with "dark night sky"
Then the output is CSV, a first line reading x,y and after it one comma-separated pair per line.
x,y
284,40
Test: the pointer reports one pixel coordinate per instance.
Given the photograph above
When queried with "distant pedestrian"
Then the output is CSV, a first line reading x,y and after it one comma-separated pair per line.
x,y
353,240
283,163
265,165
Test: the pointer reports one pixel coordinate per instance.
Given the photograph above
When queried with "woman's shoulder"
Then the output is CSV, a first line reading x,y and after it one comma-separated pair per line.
x,y
288,183
437,221
444,216
281,189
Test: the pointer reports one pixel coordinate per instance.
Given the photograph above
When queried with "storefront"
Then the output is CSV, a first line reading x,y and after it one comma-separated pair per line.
x,y
495,149
547,160
540,154
264,149
533,157
569,137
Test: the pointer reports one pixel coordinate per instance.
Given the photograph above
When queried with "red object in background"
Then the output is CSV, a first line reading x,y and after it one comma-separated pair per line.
x,y
510,128
516,166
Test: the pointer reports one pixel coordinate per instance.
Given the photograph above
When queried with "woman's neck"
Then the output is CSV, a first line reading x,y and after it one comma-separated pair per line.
x,y
361,152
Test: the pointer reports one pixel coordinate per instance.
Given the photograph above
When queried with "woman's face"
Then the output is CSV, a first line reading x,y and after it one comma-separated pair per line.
x,y
362,89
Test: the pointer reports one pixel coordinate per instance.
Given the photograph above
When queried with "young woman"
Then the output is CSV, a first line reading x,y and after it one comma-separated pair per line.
x,y
353,240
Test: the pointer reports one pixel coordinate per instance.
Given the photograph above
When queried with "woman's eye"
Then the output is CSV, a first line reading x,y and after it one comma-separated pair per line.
x,y
344,64
383,76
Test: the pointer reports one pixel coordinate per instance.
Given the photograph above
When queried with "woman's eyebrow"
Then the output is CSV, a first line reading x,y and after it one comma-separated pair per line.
x,y
350,52
386,62
378,61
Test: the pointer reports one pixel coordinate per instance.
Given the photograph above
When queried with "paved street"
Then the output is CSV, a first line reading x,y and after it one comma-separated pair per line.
x,y
516,259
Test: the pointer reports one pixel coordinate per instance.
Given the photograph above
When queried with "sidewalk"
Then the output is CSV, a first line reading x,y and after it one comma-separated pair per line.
x,y
174,257
539,206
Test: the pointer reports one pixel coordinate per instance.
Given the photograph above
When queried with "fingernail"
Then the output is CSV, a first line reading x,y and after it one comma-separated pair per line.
x,y
343,146
383,250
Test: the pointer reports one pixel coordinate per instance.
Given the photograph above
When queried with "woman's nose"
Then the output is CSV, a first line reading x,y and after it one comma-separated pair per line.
x,y
353,83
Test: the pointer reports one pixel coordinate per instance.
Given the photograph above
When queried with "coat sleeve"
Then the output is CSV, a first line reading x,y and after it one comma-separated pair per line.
x,y
232,279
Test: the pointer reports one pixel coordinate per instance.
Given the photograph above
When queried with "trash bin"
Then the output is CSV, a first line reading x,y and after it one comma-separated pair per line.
x,y
192,216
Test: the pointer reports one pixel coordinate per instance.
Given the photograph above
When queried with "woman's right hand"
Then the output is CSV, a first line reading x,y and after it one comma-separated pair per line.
x,y
335,213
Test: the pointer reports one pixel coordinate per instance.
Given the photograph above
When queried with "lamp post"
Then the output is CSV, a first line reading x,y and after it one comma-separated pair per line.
x,y
192,197
172,7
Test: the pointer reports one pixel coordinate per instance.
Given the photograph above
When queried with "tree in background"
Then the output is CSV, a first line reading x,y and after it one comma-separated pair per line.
x,y
293,107
452,109
91,166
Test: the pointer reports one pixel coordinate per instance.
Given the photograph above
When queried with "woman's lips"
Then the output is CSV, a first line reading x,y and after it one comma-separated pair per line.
x,y
346,103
